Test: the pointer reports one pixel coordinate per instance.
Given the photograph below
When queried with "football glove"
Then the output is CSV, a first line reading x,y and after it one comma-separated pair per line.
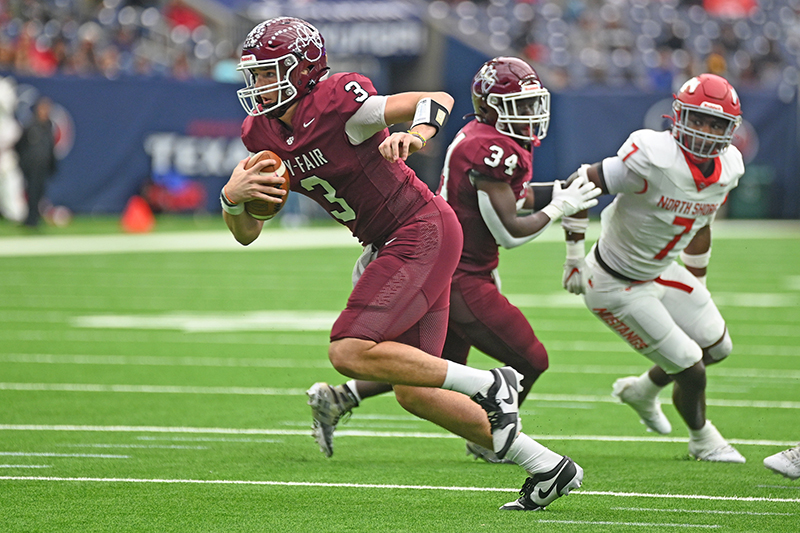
x,y
581,194
575,275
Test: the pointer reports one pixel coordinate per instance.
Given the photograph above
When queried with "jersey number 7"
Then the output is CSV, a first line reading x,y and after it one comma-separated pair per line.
x,y
687,224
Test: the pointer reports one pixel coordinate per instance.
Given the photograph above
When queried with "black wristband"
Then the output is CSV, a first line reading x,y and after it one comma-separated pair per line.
x,y
431,113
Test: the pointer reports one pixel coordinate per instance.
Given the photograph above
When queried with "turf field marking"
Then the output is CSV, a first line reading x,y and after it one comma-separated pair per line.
x,y
268,391
78,455
25,466
151,360
633,524
210,439
196,322
303,238
395,487
778,487
140,446
699,511
251,362
356,433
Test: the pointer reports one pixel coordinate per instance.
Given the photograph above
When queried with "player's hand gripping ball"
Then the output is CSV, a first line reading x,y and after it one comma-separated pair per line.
x,y
261,209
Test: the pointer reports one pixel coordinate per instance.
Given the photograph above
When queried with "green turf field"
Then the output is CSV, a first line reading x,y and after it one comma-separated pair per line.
x,y
147,389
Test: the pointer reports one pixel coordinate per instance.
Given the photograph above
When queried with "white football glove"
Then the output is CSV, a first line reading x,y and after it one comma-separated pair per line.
x,y
575,275
581,194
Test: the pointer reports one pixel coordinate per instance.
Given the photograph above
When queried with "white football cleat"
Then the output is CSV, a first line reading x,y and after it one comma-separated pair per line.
x,y
540,490
713,447
785,463
328,404
649,409
721,454
500,400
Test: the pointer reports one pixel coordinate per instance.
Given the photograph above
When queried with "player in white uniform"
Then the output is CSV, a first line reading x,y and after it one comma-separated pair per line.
x,y
669,187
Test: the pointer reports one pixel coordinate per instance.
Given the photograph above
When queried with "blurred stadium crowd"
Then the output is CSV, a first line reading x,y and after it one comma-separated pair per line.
x,y
652,44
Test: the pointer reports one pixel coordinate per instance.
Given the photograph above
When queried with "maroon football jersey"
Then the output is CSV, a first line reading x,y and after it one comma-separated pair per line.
x,y
482,148
354,184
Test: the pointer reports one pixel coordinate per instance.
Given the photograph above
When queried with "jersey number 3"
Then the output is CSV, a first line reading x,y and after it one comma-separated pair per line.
x,y
346,214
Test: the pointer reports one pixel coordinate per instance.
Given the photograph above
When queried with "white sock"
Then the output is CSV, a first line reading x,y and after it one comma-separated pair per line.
x,y
708,433
647,387
353,389
532,456
465,379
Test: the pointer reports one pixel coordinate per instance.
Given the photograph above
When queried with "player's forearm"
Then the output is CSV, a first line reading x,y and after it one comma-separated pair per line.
x,y
245,229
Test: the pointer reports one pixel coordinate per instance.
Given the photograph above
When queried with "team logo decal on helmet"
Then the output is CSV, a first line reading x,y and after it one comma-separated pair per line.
x,y
507,93
706,113
288,50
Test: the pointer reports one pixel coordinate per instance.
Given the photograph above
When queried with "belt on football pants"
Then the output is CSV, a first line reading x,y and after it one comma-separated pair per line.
x,y
668,283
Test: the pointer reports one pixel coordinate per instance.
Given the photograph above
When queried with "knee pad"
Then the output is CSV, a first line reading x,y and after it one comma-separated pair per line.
x,y
721,349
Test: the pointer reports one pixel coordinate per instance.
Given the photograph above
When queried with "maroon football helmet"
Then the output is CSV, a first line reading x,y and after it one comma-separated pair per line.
x,y
507,93
706,94
295,49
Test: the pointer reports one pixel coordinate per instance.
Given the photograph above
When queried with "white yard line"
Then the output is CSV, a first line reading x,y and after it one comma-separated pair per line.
x,y
183,430
698,511
75,455
395,487
303,238
271,391
252,362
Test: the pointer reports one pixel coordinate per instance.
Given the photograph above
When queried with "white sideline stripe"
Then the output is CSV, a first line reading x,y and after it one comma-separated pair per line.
x,y
79,455
303,238
699,511
141,446
211,322
196,241
25,466
149,389
151,360
634,524
262,391
357,433
395,487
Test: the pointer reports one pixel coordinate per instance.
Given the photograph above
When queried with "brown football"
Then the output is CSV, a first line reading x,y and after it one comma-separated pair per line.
x,y
261,209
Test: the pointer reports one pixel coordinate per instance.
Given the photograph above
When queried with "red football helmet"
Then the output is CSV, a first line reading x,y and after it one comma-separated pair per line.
x,y
507,92
295,49
706,94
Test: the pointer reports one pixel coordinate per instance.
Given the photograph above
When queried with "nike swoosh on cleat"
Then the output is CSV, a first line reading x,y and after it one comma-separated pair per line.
x,y
509,400
544,494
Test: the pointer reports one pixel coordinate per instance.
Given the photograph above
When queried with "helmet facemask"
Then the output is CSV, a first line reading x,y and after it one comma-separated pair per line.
x,y
524,115
701,144
294,51
283,90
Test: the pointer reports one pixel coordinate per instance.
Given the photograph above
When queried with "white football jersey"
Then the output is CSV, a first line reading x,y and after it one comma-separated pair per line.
x,y
662,201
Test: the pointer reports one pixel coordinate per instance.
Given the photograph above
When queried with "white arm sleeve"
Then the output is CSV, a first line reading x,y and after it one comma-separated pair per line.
x,y
496,227
367,121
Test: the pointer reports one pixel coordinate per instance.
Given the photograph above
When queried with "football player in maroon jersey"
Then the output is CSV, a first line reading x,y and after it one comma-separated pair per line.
x,y
331,132
485,179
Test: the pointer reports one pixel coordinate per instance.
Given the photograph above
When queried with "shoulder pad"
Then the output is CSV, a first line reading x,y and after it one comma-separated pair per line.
x,y
645,148
733,159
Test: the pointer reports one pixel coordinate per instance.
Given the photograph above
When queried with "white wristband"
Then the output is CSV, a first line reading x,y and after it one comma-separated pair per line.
x,y
696,261
227,206
575,225
576,249
552,211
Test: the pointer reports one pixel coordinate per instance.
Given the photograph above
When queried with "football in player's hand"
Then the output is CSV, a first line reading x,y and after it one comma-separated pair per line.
x,y
261,209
